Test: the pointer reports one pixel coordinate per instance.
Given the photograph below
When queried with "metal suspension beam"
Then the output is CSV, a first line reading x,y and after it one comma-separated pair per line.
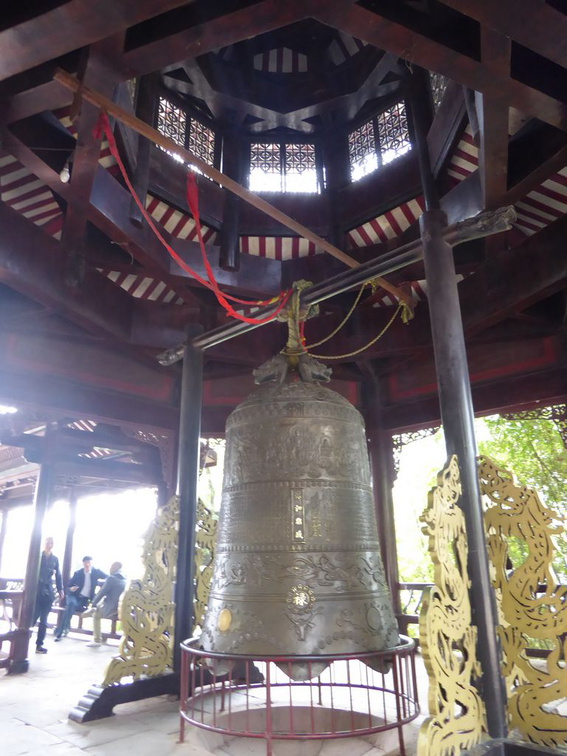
x,y
483,224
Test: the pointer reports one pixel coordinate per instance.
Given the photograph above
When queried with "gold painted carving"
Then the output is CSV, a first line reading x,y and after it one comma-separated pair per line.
x,y
447,637
531,604
147,609
204,559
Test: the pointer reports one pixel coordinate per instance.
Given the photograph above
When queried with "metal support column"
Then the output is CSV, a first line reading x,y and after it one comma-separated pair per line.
x,y
186,488
458,423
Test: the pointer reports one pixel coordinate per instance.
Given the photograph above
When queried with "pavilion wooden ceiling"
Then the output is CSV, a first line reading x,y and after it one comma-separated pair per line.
x,y
511,54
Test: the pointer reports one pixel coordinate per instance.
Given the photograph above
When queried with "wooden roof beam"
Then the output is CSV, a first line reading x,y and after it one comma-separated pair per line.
x,y
85,157
66,397
225,30
47,96
534,24
98,305
415,47
544,170
69,26
509,394
233,186
109,211
109,202
492,113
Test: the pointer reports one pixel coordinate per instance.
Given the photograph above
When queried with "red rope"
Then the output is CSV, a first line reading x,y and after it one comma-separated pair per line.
x,y
103,127
193,202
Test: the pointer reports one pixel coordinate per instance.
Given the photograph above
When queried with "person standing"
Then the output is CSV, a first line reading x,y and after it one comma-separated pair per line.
x,y
81,589
48,571
105,603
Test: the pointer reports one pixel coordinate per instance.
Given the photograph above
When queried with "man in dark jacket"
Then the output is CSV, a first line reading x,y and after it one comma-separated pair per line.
x,y
80,591
48,570
105,603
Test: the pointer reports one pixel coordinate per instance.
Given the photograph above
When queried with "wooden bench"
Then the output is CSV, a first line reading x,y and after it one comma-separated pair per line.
x,y
77,624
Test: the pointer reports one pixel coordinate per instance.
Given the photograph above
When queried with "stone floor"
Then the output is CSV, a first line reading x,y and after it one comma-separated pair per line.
x,y
34,709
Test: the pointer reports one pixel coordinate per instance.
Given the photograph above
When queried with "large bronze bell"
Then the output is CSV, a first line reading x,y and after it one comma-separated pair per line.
x,y
297,567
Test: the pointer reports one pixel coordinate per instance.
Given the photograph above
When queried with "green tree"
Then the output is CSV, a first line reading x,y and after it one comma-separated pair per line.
x,y
533,450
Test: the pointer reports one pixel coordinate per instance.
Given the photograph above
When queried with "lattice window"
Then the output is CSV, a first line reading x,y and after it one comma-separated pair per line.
x,y
172,121
362,151
202,141
277,167
379,141
300,168
265,168
393,133
438,85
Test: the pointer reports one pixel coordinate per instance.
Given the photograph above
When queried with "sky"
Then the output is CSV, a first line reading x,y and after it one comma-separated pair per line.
x,y
110,527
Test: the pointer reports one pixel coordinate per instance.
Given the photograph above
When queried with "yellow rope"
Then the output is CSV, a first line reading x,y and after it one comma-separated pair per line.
x,y
366,346
338,328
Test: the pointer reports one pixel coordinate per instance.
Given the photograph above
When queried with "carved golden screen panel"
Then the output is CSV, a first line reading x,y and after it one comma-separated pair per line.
x,y
147,607
532,605
447,637
205,543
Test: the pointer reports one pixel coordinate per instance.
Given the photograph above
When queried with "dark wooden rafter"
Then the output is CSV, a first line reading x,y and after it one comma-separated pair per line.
x,y
109,211
347,104
98,73
492,113
224,30
146,107
516,20
538,175
94,197
49,95
416,47
212,173
448,124
109,202
98,305
278,103
72,25
508,394
31,389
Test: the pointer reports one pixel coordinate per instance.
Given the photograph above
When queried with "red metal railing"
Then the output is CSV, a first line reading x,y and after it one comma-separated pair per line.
x,y
253,697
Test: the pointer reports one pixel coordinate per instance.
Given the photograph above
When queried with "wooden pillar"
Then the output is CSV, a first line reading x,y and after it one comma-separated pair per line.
x,y
458,424
337,172
381,453
68,554
457,415
42,500
233,166
146,107
187,481
421,107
